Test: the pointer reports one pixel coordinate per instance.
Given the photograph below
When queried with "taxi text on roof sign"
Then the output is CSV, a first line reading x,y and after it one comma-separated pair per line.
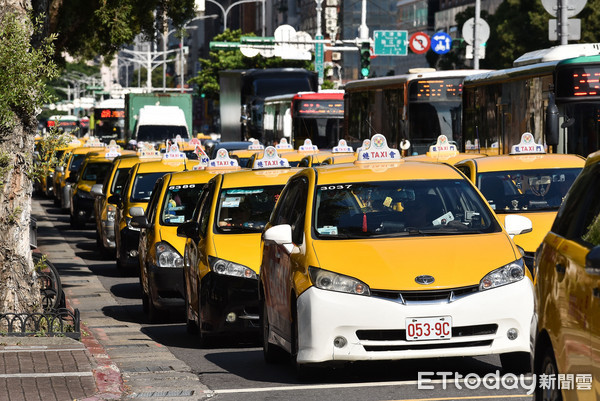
x,y
93,142
222,160
256,145
173,153
378,151
527,145
270,159
472,146
283,145
308,147
147,151
442,147
113,151
342,147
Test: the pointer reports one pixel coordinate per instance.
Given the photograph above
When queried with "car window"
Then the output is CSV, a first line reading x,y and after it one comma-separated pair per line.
x,y
245,209
119,180
292,208
178,203
526,190
95,172
142,186
205,208
152,204
400,208
466,170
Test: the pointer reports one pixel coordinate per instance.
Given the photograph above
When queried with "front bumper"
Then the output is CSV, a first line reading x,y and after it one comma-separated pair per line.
x,y
83,209
375,327
65,199
223,296
108,233
167,286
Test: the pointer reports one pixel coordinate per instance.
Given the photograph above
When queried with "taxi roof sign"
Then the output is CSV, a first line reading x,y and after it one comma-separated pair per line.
x,y
527,146
283,145
308,147
195,142
113,151
173,153
365,145
93,142
442,147
256,145
342,147
202,157
222,160
270,159
378,151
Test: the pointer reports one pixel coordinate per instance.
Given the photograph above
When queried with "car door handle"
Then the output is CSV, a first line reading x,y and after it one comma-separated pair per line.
x,y
560,268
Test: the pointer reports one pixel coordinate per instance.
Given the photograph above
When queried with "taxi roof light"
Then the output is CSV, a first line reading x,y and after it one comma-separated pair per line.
x,y
527,146
378,151
269,160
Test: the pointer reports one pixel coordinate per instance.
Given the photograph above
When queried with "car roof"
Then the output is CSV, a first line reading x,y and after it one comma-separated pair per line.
x,y
254,178
528,162
166,166
383,171
193,176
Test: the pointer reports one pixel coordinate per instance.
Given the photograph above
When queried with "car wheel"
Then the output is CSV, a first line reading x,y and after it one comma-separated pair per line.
x,y
516,362
271,352
548,367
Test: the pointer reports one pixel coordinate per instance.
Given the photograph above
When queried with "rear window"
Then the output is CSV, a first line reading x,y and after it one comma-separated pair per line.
x,y
96,172
179,203
143,185
246,210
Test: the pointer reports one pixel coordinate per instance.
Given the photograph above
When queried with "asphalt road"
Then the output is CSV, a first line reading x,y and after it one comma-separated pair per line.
x,y
235,370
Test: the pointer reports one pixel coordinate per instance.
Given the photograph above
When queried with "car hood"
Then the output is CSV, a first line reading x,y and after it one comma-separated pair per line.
x,y
239,248
393,264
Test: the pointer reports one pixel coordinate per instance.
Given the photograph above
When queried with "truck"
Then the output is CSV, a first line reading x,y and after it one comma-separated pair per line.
x,y
243,92
134,102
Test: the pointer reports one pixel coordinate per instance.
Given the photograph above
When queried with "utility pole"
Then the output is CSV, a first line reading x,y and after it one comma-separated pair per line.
x,y
563,22
476,38
363,29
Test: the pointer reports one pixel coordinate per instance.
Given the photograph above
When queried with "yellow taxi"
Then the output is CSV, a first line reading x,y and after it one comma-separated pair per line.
x,y
567,282
528,181
187,147
368,262
47,153
73,161
172,203
222,253
342,150
243,155
93,171
444,152
104,211
136,193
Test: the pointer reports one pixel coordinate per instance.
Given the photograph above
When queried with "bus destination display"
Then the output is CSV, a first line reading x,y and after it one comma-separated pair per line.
x,y
310,108
578,82
110,113
427,90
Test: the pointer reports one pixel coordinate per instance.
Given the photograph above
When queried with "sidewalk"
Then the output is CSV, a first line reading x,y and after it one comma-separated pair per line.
x,y
113,360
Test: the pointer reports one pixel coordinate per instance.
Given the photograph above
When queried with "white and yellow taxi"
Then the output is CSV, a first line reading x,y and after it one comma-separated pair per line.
x,y
243,155
444,152
172,203
135,194
386,260
529,182
222,254
567,289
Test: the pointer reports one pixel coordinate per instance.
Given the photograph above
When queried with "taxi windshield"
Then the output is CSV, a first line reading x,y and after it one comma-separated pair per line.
x,y
119,180
526,190
76,161
246,210
400,208
179,203
143,185
96,172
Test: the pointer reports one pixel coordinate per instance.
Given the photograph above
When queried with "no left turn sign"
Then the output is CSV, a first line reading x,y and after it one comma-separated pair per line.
x,y
419,42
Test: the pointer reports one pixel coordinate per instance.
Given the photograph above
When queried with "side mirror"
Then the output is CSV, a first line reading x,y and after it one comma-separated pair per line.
x,y
60,169
592,261
139,221
136,211
281,235
96,189
188,230
515,224
552,117
115,200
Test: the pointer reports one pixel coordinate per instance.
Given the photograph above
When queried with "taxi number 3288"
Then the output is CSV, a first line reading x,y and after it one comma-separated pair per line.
x,y
432,328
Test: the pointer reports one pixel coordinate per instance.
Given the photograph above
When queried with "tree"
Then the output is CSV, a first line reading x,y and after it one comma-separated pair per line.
x,y
207,79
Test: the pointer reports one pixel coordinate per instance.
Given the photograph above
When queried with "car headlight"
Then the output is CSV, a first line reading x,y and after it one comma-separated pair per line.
x,y
167,256
227,268
507,274
110,213
330,281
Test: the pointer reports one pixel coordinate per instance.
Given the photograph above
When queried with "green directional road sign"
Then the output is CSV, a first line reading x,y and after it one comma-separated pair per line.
x,y
224,45
319,67
257,40
390,43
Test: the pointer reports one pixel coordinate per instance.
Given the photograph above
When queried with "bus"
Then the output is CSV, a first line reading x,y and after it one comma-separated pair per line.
x,y
318,116
108,121
68,124
552,93
418,107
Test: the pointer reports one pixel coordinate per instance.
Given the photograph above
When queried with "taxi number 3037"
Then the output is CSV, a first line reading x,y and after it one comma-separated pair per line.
x,y
334,187
429,328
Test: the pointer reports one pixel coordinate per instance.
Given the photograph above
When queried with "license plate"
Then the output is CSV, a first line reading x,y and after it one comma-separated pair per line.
x,y
428,328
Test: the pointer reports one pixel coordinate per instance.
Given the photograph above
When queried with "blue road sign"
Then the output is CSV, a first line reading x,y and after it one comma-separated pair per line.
x,y
441,43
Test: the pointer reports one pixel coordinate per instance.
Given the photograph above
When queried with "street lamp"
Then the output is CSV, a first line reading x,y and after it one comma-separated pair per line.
x,y
226,11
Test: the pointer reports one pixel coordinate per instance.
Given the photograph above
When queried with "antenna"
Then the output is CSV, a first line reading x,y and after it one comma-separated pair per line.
x,y
371,127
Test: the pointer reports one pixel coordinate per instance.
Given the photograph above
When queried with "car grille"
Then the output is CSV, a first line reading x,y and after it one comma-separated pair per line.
x,y
442,345
400,335
448,295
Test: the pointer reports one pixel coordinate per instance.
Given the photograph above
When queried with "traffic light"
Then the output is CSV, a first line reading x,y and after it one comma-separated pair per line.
x,y
365,59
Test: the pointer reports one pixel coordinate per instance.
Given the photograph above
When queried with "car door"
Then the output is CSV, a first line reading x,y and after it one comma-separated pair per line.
x,y
280,265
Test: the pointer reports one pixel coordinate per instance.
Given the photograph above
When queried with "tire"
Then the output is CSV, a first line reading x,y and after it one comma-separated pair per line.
x,y
516,362
548,367
154,314
271,352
